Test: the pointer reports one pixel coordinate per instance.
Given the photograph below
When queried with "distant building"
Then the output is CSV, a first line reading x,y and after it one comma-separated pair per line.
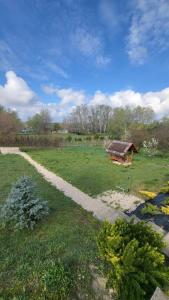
x,y
121,152
64,131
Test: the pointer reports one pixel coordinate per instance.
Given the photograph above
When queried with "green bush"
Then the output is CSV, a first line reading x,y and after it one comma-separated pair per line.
x,y
132,259
164,189
88,138
69,138
57,281
78,139
101,137
150,209
23,209
96,136
166,201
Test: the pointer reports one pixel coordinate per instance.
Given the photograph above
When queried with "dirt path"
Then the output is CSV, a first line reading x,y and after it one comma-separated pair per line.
x,y
95,205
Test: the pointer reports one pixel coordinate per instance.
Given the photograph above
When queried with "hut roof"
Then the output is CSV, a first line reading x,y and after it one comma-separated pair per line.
x,y
120,148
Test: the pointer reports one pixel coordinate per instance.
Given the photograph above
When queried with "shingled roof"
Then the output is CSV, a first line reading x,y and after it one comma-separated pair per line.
x,y
120,148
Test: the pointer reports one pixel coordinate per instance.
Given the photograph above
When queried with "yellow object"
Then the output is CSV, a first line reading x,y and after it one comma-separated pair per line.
x,y
149,195
165,209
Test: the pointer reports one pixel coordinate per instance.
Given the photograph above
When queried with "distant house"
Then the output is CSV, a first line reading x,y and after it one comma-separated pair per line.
x,y
63,131
121,152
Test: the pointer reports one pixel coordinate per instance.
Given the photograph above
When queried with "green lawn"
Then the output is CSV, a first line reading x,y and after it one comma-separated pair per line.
x,y
91,170
67,234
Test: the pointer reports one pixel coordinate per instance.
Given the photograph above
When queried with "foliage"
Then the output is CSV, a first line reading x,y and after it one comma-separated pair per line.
x,y
56,126
166,201
41,122
151,146
96,136
78,139
149,195
9,123
57,281
23,209
164,189
68,234
150,209
88,138
165,209
69,138
133,262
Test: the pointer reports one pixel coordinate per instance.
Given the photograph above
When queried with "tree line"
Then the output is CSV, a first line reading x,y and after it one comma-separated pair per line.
x,y
125,123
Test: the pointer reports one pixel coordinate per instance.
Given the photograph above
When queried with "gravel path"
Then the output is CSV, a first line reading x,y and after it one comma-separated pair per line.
x,y
95,205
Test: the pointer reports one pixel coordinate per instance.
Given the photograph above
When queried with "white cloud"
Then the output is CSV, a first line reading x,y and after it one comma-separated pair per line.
x,y
17,95
159,101
57,69
149,30
15,91
102,60
90,45
66,96
7,57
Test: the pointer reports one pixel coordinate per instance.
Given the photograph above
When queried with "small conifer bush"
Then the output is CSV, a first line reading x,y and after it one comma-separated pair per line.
x,y
132,259
23,208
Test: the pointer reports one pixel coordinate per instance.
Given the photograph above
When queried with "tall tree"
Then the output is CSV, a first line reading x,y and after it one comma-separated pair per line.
x,y
41,122
9,122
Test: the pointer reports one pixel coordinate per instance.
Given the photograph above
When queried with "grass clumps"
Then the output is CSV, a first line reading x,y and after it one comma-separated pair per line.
x,y
57,281
23,209
132,259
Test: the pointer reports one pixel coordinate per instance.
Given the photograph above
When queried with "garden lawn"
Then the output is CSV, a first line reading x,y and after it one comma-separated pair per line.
x,y
91,170
67,234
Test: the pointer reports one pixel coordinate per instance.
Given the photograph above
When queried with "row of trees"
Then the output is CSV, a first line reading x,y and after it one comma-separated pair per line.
x,y
130,124
103,119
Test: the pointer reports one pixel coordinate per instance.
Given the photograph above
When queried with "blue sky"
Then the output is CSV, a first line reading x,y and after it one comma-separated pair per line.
x,y
57,54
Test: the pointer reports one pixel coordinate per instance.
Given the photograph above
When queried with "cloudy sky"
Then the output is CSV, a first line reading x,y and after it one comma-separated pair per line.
x,y
57,54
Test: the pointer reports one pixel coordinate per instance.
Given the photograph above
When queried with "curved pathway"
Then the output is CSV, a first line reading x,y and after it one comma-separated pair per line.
x,y
99,209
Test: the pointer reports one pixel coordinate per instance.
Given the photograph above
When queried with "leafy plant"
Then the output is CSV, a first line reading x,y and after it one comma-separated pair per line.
x,y
150,209
78,139
88,138
132,259
165,209
151,146
23,209
69,138
166,201
57,281
164,190
96,136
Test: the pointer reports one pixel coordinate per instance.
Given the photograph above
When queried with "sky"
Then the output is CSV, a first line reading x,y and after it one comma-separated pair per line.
x,y
57,54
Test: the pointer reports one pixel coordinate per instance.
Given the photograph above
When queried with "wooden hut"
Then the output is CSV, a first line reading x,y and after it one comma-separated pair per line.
x,y
121,152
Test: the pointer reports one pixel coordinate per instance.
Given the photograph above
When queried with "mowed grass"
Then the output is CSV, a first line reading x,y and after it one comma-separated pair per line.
x,y
91,170
68,234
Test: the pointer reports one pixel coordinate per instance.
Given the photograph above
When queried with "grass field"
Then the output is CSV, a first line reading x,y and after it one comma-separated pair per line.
x,y
67,234
91,170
